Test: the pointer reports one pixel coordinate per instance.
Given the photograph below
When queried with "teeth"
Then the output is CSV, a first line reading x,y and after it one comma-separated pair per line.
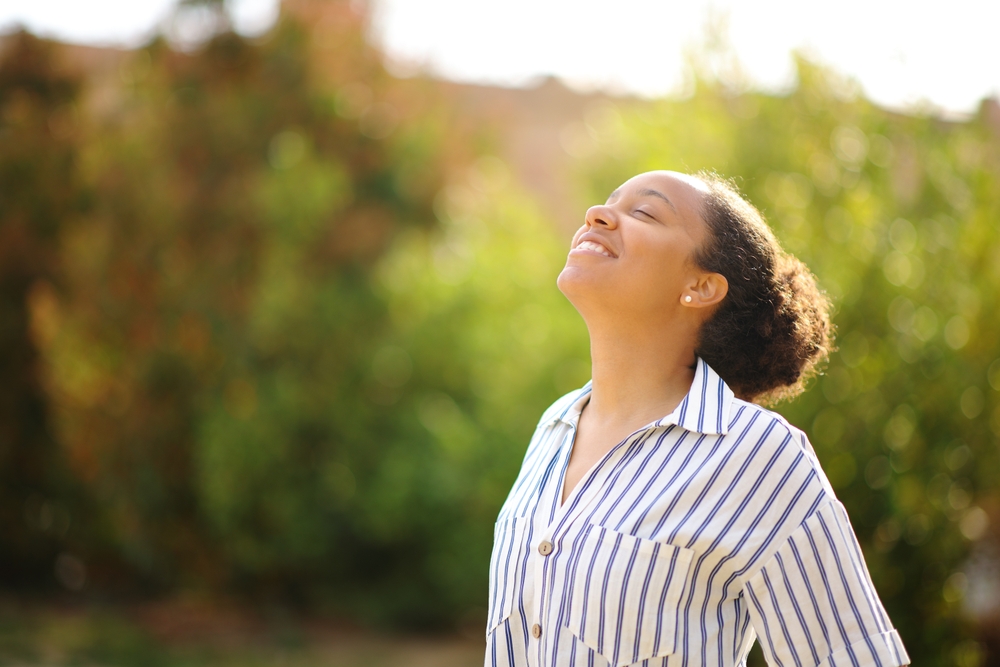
x,y
596,247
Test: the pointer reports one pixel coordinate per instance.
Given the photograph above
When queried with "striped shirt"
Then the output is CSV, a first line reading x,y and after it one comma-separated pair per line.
x,y
694,536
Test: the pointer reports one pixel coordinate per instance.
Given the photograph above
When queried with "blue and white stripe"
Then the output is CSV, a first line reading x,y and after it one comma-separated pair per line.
x,y
699,533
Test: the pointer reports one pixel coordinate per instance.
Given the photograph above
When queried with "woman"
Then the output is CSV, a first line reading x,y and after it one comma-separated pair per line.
x,y
661,516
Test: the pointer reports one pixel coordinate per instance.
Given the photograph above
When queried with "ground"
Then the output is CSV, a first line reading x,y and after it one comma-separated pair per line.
x,y
193,634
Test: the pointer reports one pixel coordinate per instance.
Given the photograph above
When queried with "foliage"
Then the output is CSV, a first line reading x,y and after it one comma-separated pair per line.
x,y
39,188
294,328
280,361
219,313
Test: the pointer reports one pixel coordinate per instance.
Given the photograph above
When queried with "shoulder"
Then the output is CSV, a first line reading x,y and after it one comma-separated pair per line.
x,y
562,411
563,406
745,416
774,432
780,474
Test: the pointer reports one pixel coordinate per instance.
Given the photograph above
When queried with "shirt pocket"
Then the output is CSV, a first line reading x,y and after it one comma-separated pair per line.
x,y
506,569
625,594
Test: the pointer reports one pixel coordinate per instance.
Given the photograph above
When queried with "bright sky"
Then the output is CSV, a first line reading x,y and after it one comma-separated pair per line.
x,y
118,22
900,52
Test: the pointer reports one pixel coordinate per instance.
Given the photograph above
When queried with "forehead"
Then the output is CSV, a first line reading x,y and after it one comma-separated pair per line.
x,y
684,192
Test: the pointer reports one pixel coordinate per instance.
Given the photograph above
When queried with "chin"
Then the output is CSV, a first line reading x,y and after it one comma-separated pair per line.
x,y
578,285
568,280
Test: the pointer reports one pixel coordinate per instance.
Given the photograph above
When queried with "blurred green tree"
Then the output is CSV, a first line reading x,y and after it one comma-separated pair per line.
x,y
39,189
203,366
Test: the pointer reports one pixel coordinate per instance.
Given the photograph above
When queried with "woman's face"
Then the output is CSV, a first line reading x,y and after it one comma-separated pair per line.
x,y
636,252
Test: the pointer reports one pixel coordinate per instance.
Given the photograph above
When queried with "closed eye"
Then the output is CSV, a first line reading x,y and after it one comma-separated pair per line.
x,y
648,215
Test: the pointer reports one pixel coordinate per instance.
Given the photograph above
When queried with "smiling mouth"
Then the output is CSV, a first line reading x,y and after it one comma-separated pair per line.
x,y
594,247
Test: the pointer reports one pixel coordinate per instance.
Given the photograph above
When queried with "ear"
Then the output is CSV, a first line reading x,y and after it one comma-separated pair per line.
x,y
706,291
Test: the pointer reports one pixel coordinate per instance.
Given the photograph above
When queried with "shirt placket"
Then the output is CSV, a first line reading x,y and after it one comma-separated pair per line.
x,y
541,547
557,530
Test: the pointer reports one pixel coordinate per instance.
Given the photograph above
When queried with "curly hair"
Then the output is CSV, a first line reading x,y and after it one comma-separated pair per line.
x,y
772,330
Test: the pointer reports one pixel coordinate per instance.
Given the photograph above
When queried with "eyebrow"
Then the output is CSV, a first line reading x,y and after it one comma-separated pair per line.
x,y
646,192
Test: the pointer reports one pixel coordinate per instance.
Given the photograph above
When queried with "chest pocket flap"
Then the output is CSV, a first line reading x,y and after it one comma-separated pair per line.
x,y
625,594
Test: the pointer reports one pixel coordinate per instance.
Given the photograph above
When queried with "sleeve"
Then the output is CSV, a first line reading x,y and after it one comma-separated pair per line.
x,y
813,602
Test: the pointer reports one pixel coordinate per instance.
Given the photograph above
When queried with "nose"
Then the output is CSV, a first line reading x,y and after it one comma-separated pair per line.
x,y
601,216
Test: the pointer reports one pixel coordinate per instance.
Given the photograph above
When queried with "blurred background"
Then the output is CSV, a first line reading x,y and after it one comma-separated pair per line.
x,y
278,312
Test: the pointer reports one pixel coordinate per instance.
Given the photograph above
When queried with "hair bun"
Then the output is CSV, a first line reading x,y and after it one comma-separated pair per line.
x,y
773,328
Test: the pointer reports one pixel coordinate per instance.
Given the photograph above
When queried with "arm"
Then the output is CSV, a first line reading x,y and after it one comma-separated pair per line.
x,y
813,602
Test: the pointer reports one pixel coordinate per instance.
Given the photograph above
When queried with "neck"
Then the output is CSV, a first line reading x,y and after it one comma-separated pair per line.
x,y
639,373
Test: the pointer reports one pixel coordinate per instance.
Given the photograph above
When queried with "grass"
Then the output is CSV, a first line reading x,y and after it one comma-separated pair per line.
x,y
188,634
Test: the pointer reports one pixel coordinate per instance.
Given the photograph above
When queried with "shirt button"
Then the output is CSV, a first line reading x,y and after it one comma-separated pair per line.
x,y
536,631
545,548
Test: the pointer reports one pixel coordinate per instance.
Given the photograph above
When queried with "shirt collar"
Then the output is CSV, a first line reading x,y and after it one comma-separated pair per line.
x,y
705,408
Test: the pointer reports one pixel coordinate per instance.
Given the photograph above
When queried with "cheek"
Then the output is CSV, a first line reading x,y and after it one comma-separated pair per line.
x,y
660,276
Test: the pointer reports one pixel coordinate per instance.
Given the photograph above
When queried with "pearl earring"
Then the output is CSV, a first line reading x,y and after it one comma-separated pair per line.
x,y
687,299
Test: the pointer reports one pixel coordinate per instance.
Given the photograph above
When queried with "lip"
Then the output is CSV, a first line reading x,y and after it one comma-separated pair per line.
x,y
593,238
